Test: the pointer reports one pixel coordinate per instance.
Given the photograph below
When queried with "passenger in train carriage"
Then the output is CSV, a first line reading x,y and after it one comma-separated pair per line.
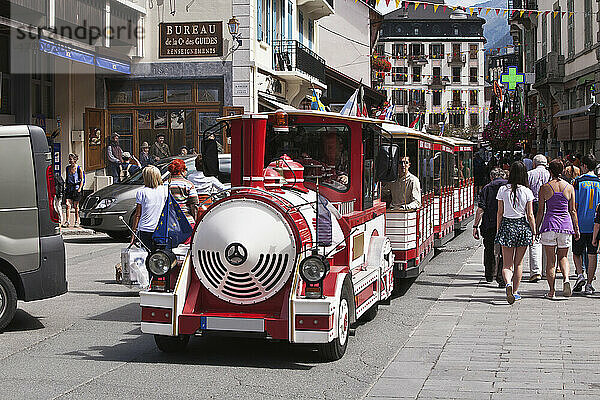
x,y
485,226
406,190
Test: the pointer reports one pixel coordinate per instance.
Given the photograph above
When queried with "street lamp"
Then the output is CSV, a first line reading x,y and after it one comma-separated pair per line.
x,y
233,26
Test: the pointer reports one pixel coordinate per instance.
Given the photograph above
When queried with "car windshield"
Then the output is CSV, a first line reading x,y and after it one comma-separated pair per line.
x,y
138,179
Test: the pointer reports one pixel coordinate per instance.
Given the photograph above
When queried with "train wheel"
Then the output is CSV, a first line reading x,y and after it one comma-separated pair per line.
x,y
171,344
371,313
335,350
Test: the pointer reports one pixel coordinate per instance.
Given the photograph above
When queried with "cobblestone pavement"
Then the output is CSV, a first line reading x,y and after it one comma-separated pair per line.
x,y
473,345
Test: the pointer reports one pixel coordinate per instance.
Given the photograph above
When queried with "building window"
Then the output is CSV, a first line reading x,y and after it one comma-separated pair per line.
x,y
259,20
474,119
544,34
436,50
456,71
402,119
300,27
399,74
416,31
457,120
456,31
437,98
209,93
473,75
435,119
120,92
473,97
310,33
473,49
570,29
179,92
416,74
380,49
417,50
556,28
399,97
417,98
399,50
42,87
587,24
152,93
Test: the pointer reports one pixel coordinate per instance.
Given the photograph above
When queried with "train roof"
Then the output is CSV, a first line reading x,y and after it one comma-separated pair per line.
x,y
315,113
460,141
397,130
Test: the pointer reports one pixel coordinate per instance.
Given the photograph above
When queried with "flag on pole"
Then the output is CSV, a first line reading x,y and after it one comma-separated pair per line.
x,y
315,103
349,108
414,124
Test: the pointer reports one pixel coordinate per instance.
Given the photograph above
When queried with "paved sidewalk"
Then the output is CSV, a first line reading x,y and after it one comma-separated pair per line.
x,y
473,345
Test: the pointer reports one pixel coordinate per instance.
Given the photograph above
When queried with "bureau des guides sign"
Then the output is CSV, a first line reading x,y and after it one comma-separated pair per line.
x,y
191,39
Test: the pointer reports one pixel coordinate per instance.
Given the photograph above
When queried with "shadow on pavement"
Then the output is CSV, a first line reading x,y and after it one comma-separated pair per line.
x,y
90,240
106,293
23,321
127,313
212,351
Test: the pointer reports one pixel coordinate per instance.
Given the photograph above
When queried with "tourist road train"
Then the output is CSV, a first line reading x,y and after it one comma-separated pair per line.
x,y
302,246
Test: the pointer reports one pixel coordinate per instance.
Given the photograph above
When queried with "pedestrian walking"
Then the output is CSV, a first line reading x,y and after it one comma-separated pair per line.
x,y
485,226
587,199
114,153
159,149
556,221
145,155
528,162
537,177
183,191
74,185
515,227
149,203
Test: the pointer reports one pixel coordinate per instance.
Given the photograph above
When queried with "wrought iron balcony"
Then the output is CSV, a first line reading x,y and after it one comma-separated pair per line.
x,y
457,105
418,59
438,81
293,56
550,68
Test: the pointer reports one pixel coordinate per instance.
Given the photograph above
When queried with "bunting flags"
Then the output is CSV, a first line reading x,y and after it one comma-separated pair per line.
x,y
478,10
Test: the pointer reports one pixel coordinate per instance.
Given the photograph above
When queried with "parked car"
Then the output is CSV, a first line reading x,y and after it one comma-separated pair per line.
x,y
102,209
32,252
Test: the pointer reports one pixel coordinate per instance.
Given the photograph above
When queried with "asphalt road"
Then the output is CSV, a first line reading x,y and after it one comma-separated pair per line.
x,y
87,343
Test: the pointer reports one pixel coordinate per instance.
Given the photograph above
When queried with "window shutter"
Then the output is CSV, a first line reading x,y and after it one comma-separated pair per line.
x,y
259,33
268,27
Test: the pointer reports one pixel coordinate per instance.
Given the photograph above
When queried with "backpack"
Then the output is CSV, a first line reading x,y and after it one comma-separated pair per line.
x,y
124,172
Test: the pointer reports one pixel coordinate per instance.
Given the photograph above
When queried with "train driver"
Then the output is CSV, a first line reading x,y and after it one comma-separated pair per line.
x,y
406,190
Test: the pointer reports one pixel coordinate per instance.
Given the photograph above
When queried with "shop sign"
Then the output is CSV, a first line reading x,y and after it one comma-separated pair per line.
x,y
241,89
191,39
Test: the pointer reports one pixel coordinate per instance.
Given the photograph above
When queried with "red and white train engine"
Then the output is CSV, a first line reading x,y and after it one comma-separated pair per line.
x,y
296,250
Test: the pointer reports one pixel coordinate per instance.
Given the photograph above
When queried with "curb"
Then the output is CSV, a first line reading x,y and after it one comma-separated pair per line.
x,y
76,232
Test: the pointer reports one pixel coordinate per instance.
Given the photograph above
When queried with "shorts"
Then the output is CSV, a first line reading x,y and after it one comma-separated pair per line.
x,y
72,194
584,245
514,232
561,240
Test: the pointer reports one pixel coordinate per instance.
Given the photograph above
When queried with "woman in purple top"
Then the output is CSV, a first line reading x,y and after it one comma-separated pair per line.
x,y
557,223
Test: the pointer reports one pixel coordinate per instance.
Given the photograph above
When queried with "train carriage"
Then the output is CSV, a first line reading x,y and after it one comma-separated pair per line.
x,y
411,231
296,250
443,163
464,183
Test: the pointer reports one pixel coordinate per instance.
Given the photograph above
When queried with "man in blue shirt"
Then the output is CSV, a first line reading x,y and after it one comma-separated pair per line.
x,y
587,198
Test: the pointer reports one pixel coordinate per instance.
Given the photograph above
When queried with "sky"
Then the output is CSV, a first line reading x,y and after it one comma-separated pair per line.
x,y
465,3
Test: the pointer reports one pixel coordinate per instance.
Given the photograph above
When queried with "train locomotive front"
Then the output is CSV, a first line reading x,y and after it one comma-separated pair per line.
x,y
281,257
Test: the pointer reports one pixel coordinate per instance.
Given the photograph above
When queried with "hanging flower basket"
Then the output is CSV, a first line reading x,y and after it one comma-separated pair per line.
x,y
510,131
380,64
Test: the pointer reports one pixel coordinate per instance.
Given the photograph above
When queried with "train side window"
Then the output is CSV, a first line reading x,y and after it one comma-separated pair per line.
x,y
423,169
369,184
437,177
430,171
412,151
456,170
468,167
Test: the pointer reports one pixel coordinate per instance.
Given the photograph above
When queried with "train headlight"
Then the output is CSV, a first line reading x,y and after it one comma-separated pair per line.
x,y
160,262
314,268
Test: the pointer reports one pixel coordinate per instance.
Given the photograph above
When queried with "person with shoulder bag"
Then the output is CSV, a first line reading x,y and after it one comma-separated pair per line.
x,y
75,178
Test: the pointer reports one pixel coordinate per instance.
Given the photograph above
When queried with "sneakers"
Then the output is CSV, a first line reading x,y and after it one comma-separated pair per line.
x,y
579,283
534,278
510,297
567,289
589,289
517,296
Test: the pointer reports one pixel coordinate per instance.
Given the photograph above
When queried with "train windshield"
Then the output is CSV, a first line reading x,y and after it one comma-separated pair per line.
x,y
323,150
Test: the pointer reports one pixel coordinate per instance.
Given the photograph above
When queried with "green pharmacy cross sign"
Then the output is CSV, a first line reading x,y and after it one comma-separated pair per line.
x,y
512,78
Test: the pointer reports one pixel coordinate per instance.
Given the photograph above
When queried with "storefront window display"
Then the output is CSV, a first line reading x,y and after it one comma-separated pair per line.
x,y
180,110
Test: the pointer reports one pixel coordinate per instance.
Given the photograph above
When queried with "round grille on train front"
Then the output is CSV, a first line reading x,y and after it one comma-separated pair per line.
x,y
243,251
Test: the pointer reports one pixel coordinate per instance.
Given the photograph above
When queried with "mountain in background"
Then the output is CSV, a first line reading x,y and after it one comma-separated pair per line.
x,y
496,29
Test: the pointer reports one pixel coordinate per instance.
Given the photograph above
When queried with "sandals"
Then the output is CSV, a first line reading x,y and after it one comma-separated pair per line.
x,y
547,296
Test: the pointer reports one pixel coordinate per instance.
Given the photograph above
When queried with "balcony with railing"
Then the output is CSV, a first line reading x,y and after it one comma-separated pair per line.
x,y
457,59
550,69
417,59
526,5
438,81
315,9
457,105
294,61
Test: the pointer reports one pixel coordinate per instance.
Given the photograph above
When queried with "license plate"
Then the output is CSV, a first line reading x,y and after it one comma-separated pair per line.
x,y
232,324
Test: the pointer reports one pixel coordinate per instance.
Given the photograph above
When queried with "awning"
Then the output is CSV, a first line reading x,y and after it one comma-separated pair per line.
x,y
574,111
84,57
273,102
